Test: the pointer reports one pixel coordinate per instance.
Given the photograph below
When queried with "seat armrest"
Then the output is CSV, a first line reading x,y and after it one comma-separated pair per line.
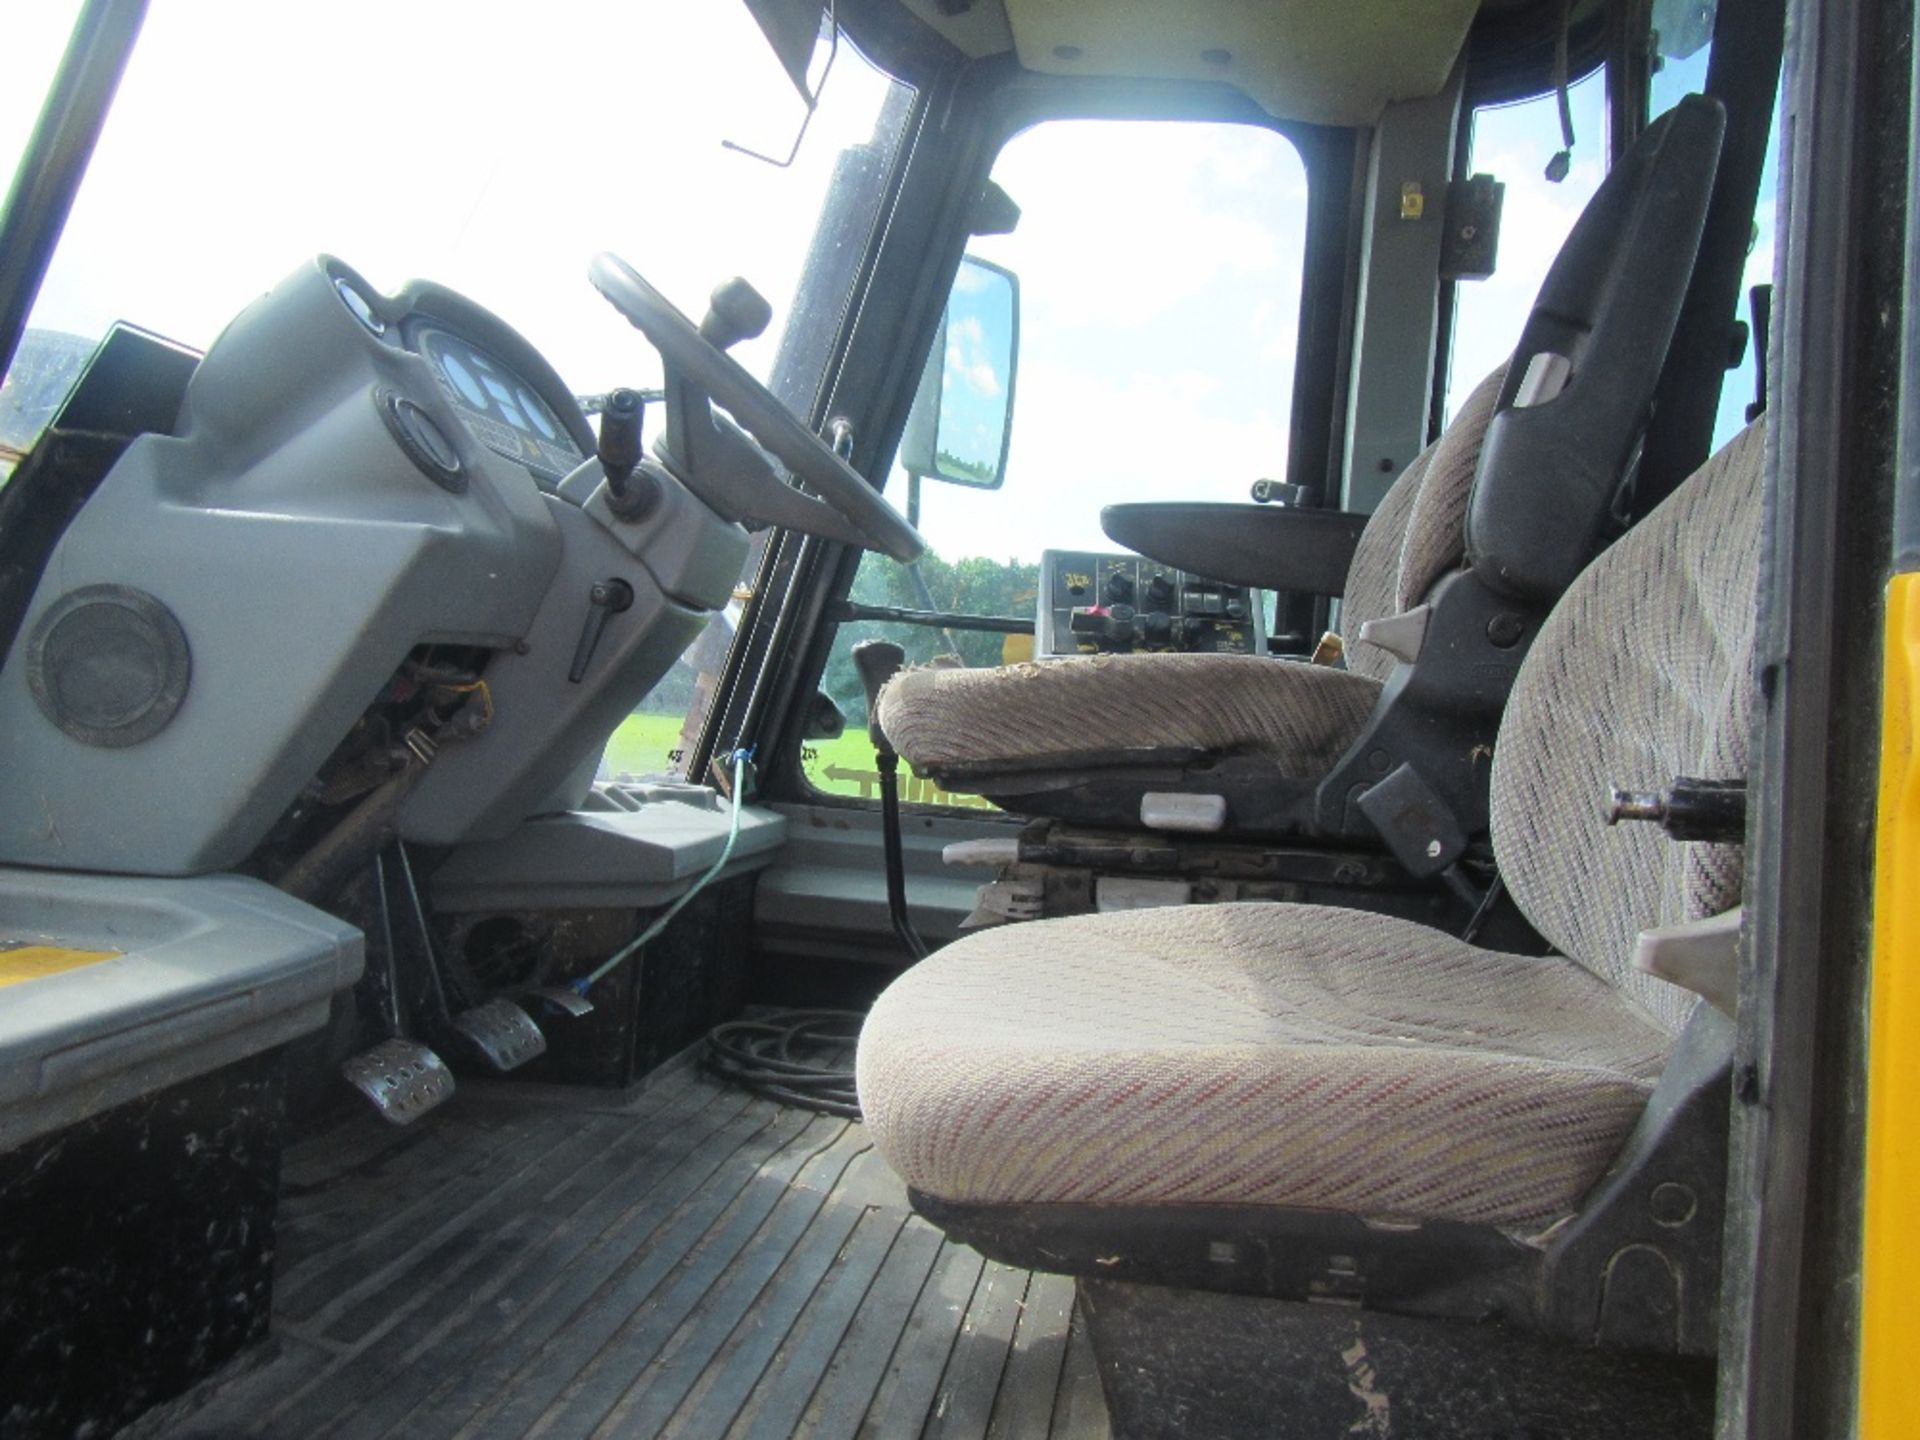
x,y
1268,547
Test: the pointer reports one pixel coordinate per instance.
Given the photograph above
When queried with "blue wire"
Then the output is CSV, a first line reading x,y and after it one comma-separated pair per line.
x,y
619,957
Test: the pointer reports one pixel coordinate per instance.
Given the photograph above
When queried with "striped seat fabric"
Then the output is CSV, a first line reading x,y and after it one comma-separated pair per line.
x,y
1301,1056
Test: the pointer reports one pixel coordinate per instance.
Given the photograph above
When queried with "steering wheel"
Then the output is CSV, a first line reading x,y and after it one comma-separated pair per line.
x,y
713,459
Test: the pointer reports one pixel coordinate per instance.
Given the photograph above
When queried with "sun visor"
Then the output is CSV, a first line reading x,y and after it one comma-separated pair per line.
x,y
1332,62
791,28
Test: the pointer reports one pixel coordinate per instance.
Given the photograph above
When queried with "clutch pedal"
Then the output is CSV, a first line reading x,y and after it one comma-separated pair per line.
x,y
503,1033
403,1079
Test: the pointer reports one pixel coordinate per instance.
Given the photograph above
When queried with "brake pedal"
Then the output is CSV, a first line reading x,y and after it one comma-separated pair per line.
x,y
402,1078
503,1033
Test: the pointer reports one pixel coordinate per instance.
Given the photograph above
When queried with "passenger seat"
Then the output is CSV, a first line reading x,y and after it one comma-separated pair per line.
x,y
1447,589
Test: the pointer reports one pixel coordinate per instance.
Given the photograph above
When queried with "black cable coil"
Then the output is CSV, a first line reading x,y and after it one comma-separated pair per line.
x,y
797,1057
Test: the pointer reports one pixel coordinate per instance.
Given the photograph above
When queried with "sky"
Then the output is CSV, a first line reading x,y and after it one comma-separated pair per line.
x,y
1159,264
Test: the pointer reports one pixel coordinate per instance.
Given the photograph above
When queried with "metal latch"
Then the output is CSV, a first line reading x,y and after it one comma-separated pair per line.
x,y
1711,811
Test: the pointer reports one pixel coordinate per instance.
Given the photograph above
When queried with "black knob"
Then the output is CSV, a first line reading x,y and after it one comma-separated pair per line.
x,y
1119,588
1236,609
1156,628
735,312
1159,593
620,436
877,662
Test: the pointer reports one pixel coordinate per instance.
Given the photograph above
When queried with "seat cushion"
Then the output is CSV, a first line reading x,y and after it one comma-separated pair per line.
x,y
1284,1055
1117,709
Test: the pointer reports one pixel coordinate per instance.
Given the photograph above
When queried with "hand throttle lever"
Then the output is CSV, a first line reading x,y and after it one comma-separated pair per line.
x,y
606,600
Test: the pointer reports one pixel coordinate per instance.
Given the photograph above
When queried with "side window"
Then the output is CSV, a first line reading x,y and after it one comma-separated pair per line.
x,y
1513,144
1159,267
1682,44
1737,390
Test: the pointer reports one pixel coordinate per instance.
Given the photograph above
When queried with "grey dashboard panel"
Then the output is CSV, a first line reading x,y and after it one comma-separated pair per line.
x,y
545,723
303,551
643,856
208,970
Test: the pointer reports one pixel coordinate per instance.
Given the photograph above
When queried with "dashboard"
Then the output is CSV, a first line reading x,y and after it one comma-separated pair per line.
x,y
497,405
502,389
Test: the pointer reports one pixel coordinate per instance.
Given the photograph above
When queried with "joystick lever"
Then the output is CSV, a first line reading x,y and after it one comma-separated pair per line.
x,y
630,490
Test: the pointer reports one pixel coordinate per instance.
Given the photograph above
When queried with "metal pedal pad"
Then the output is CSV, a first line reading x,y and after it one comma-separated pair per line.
x,y
503,1033
562,998
403,1079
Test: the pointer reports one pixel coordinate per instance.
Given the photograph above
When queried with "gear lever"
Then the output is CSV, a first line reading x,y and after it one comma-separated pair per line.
x,y
878,661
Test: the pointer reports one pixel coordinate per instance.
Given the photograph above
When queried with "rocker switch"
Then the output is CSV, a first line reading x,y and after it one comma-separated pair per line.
x,y
606,600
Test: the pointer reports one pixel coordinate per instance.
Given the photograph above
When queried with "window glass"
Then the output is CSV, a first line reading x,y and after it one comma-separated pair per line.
x,y
1159,267
1513,144
1737,390
1682,45
499,168
1682,34
36,38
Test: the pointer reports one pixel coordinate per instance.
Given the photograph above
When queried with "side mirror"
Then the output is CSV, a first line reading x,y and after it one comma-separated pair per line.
x,y
963,413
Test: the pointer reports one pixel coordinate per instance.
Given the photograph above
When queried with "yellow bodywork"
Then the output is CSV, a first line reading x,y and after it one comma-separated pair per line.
x,y
1890,1331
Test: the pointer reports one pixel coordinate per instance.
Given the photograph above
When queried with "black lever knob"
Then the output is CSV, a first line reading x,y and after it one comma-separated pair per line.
x,y
620,436
606,600
630,490
878,661
735,312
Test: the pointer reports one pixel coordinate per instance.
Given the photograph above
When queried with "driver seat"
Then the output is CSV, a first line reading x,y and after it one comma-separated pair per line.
x,y
1475,542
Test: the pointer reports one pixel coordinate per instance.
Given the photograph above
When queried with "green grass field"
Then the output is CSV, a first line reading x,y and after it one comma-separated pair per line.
x,y
644,745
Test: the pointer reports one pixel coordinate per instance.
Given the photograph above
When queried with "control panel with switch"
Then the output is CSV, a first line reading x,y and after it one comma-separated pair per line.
x,y
1092,603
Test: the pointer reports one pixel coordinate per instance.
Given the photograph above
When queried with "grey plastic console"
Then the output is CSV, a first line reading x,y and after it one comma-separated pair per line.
x,y
302,552
640,846
209,971
545,724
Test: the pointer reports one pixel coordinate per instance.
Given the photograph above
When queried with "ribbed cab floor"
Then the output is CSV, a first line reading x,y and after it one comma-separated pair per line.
x,y
689,1261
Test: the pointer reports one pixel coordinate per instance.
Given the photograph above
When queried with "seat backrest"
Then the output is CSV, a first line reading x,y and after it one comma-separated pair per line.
x,y
1524,479
1566,432
1418,533
1643,672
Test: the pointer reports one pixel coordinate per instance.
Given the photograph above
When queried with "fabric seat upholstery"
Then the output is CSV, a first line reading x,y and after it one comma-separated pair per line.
x,y
1254,1054
1301,1056
1115,710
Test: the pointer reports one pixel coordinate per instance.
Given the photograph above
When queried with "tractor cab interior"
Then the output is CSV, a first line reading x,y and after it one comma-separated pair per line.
x,y
601,835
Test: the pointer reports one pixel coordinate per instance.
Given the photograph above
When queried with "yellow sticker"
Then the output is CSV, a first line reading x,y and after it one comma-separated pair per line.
x,y
33,962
